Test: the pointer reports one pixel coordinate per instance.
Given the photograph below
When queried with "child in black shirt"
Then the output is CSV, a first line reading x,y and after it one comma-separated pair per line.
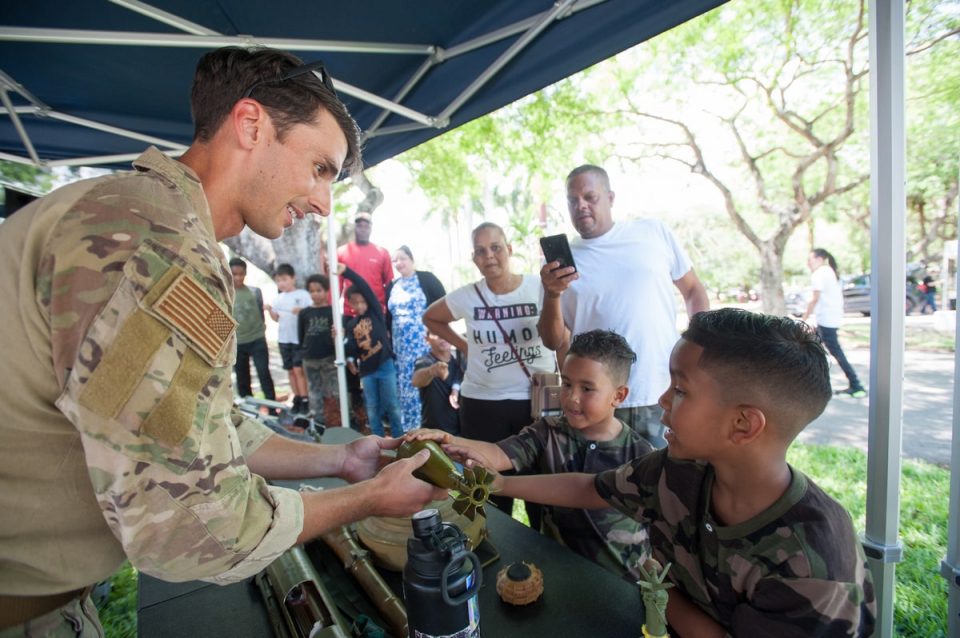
x,y
314,327
370,354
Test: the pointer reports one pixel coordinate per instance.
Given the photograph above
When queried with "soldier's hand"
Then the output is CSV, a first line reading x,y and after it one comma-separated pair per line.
x,y
555,279
399,493
363,457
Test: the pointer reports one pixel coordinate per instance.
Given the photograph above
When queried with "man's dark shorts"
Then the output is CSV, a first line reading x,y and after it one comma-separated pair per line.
x,y
292,355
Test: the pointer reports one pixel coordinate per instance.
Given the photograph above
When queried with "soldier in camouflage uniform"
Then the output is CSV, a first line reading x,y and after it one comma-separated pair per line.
x,y
588,438
119,437
757,548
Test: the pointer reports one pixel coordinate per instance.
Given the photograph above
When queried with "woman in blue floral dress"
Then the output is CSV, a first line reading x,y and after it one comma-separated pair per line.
x,y
407,298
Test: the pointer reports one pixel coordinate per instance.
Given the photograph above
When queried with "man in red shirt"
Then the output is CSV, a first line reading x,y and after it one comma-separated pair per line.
x,y
367,259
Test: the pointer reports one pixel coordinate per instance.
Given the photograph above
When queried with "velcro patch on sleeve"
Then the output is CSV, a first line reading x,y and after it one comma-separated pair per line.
x,y
191,309
172,419
115,378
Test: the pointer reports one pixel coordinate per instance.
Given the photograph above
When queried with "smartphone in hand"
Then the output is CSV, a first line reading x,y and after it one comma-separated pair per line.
x,y
557,248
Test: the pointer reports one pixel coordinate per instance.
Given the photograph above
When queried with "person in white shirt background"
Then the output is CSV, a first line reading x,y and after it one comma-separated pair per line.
x,y
826,303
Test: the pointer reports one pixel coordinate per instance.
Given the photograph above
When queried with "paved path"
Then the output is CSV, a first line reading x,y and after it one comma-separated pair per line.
x,y
927,404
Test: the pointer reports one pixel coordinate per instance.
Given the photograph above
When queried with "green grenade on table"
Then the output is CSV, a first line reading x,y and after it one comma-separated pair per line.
x,y
472,486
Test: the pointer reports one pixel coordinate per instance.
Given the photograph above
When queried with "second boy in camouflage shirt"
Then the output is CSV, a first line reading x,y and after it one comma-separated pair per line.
x,y
587,438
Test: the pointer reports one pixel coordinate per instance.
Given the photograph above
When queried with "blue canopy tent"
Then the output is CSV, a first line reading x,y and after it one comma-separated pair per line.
x,y
93,82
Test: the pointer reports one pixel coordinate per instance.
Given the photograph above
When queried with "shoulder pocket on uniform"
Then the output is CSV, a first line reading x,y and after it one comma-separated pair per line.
x,y
152,363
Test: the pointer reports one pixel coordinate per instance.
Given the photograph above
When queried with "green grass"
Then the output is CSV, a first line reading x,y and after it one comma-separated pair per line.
x,y
920,607
920,603
119,612
921,338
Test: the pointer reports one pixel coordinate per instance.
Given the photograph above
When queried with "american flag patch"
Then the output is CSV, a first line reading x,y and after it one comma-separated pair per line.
x,y
191,309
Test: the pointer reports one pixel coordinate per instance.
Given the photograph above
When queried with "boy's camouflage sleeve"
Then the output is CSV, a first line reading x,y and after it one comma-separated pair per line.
x,y
143,340
525,447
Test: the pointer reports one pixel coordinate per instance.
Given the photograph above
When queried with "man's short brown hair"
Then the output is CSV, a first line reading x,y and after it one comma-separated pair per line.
x,y
223,75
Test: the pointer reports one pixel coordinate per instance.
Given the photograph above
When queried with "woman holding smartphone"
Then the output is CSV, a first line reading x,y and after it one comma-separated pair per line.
x,y
503,347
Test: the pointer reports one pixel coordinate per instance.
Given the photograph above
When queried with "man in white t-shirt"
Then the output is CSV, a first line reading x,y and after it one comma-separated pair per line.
x,y
624,281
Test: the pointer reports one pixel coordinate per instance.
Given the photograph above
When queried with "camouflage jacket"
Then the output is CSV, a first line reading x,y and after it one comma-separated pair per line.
x,y
796,569
121,438
605,536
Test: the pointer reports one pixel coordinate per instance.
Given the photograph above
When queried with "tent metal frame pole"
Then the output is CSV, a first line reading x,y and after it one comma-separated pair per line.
x,y
340,360
164,16
18,125
512,51
384,103
17,159
950,566
391,130
134,38
887,205
402,93
515,28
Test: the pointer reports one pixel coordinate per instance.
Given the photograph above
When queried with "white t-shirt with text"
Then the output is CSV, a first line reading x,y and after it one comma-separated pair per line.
x,y
492,369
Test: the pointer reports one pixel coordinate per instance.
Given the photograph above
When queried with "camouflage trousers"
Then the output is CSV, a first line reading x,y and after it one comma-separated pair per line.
x,y
76,619
645,421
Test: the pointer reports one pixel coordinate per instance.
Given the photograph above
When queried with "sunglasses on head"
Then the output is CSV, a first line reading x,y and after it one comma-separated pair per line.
x,y
316,68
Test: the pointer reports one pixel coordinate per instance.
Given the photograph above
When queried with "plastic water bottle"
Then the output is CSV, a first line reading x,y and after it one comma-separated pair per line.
x,y
440,580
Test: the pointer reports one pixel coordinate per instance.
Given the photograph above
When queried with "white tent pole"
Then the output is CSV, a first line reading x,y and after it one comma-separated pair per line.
x,y
887,206
950,567
337,303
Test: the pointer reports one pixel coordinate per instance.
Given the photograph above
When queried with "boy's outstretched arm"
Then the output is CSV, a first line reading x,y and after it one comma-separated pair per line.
x,y
574,490
489,455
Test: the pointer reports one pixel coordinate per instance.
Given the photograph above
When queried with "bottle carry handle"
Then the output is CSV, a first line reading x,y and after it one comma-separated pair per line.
x,y
455,563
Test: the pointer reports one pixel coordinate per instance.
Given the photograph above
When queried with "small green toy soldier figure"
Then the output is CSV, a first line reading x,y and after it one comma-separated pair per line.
x,y
654,594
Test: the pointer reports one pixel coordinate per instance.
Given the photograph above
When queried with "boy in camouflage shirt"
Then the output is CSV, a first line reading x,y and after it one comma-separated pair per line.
x,y
757,548
587,438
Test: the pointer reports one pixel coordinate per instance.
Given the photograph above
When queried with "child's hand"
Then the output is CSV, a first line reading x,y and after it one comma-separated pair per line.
x,y
428,434
471,458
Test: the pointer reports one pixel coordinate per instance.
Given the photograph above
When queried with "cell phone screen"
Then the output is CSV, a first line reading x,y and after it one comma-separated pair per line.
x,y
557,248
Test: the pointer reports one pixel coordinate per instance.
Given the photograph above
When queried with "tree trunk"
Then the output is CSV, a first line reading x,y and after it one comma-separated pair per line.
x,y
771,278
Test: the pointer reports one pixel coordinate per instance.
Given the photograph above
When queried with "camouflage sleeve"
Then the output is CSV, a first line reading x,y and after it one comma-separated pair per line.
x,y
252,433
631,488
145,339
526,446
821,607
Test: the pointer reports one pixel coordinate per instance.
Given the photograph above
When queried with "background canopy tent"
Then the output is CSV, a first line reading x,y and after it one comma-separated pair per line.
x,y
93,82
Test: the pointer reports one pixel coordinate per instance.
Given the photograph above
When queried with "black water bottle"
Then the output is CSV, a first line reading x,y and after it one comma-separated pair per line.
x,y
440,580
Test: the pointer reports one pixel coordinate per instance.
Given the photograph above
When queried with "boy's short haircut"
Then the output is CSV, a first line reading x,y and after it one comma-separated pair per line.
x,y
776,363
236,262
284,269
608,348
323,280
223,75
351,291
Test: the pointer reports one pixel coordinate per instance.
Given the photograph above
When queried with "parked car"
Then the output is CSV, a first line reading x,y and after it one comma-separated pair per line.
x,y
856,294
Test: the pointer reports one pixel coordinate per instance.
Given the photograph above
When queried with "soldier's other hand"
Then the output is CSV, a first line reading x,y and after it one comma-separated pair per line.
x,y
363,458
427,434
555,279
399,493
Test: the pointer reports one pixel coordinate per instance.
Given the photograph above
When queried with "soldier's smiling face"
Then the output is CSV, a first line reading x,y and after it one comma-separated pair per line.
x,y
294,175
